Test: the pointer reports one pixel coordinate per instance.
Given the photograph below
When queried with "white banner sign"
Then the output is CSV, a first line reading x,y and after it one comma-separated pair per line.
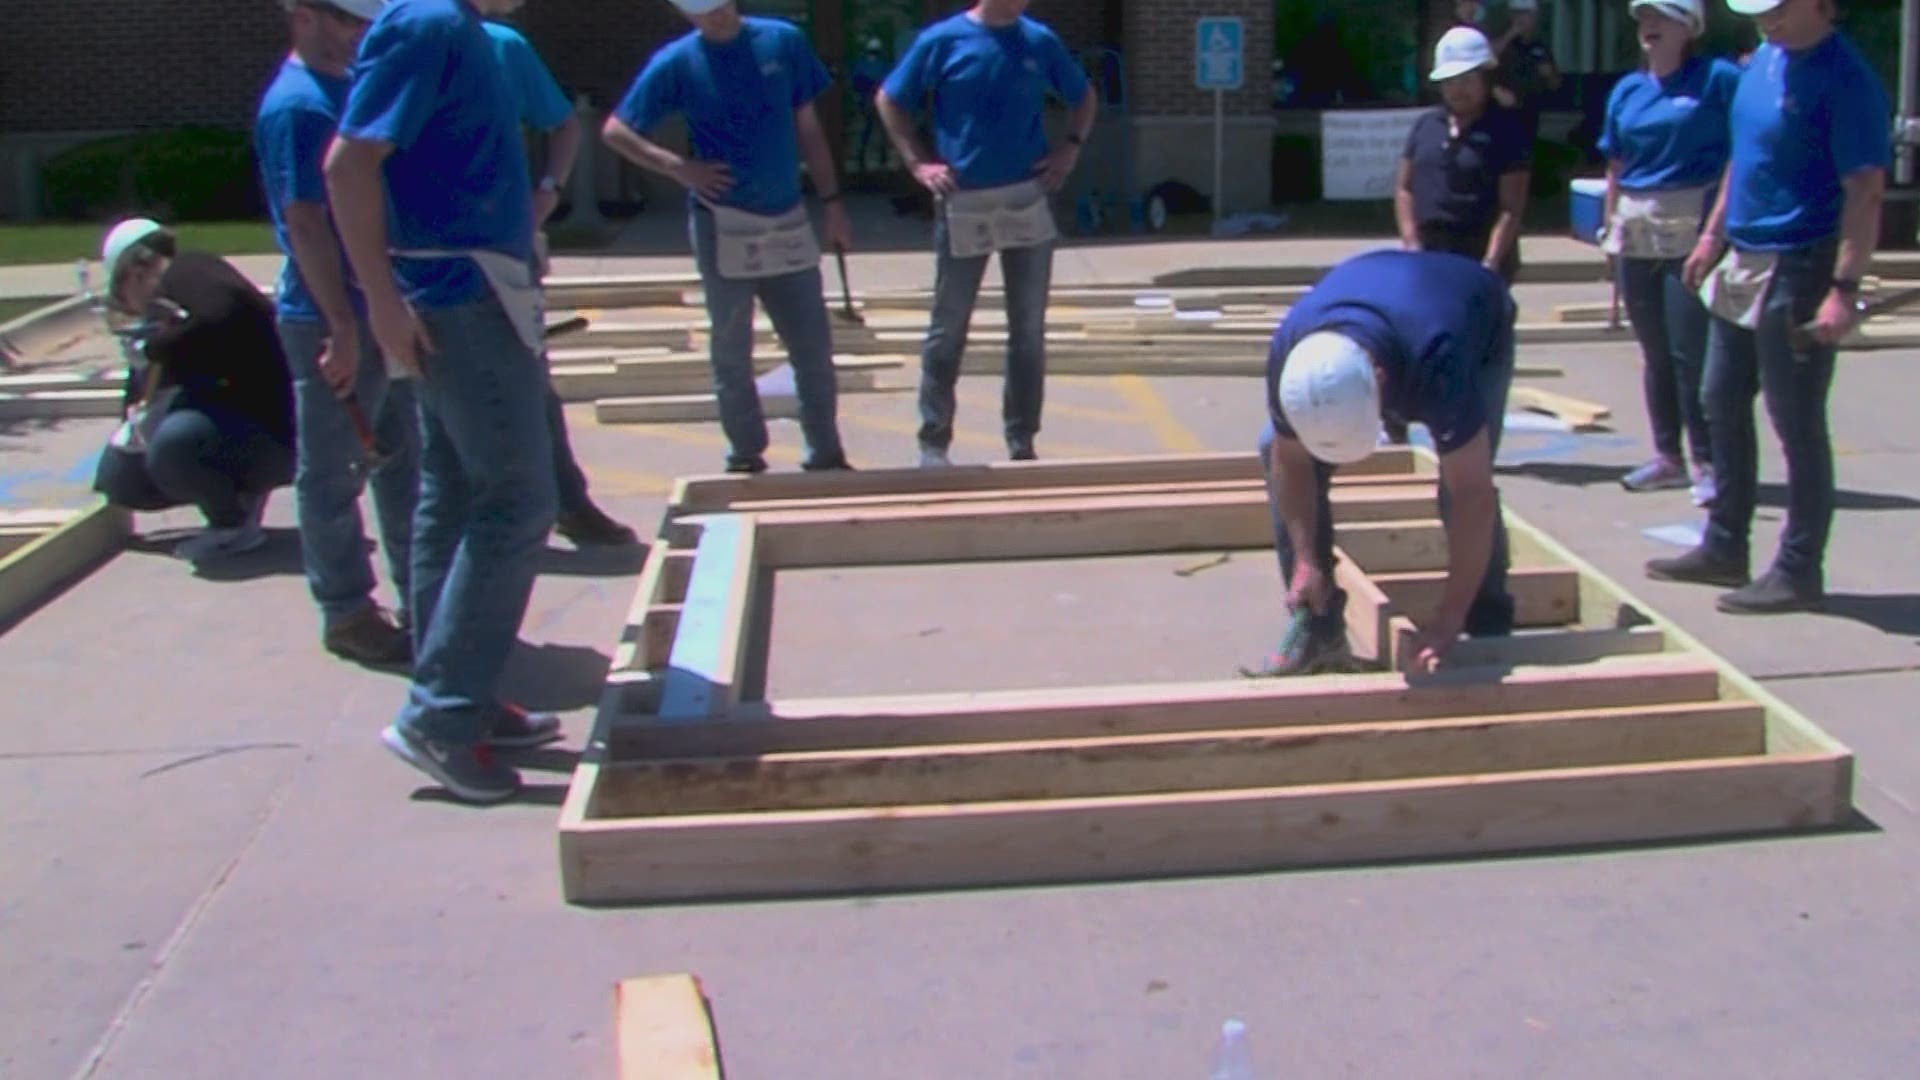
x,y
1360,151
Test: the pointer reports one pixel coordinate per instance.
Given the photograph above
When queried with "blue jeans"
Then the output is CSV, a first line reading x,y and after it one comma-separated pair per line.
x,y
1742,363
797,305
200,455
569,480
1492,612
486,505
325,491
1027,274
1671,323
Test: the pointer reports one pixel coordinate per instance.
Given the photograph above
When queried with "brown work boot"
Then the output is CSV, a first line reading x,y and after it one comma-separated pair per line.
x,y
370,636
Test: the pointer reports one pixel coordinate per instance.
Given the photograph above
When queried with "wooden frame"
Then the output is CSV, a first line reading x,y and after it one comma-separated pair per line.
x,y
1597,722
40,551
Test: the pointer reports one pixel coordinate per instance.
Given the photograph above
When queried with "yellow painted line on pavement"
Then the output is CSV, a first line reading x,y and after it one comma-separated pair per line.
x,y
963,437
1152,408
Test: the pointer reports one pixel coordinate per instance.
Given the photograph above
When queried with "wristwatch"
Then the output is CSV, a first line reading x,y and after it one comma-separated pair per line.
x,y
1849,286
1075,139
548,183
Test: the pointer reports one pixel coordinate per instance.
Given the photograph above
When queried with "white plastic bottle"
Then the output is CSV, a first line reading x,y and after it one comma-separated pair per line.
x,y
1232,1059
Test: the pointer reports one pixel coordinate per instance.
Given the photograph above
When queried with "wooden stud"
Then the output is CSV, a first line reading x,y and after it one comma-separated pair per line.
x,y
665,1025
1542,595
1575,413
31,574
708,662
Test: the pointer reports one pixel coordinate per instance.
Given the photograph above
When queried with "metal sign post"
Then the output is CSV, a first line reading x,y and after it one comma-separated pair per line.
x,y
1219,65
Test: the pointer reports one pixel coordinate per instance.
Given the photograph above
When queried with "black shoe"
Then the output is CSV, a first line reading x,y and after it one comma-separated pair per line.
x,y
1022,452
1773,593
1701,566
589,526
747,466
833,464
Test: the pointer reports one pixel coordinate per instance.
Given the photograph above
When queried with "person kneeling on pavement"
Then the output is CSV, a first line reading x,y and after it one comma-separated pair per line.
x,y
1389,336
209,405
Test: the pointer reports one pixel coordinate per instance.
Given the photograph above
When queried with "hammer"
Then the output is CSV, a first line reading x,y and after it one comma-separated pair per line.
x,y
846,312
1802,336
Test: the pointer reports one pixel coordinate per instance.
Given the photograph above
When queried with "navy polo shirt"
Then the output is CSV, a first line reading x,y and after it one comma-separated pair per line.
x,y
989,87
1802,122
1672,132
739,98
1431,320
1456,182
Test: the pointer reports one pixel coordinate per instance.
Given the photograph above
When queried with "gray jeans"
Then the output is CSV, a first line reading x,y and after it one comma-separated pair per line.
x,y
1027,274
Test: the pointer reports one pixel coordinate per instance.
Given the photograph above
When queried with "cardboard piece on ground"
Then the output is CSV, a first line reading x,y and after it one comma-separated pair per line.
x,y
665,1027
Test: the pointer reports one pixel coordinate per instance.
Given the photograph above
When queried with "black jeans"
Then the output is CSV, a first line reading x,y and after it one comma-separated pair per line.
x,y
1795,381
205,457
1671,324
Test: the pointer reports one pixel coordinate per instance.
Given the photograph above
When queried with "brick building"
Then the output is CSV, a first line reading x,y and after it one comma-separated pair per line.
x,y
79,69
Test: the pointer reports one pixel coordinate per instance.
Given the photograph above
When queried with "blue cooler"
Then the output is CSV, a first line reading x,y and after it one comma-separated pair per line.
x,y
1587,208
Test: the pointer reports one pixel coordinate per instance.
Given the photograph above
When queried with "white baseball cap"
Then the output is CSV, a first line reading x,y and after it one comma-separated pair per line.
x,y
1330,396
700,7
1753,7
1460,50
1689,12
359,9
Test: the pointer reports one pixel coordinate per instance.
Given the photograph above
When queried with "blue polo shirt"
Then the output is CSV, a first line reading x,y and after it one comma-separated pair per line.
x,y
739,99
1456,182
298,115
427,81
538,99
1802,122
989,87
1431,320
1672,132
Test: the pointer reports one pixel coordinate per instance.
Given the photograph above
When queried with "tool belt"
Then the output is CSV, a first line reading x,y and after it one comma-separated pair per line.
x,y
1736,288
1655,224
749,246
998,219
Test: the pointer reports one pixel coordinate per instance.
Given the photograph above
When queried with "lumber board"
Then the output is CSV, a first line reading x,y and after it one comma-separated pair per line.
x,y
60,404
1143,836
1565,645
665,1025
708,661
32,574
1261,757
1368,608
613,382
681,408
796,724
1578,414
1542,595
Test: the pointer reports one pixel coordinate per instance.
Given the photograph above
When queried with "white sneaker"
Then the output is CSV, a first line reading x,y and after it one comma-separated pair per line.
x,y
1704,490
932,458
214,543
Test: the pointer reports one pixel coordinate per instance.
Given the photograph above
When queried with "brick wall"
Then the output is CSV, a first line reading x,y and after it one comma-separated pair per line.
x,y
596,47
1159,46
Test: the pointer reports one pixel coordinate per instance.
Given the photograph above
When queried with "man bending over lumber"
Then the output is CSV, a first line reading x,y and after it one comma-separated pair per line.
x,y
1389,336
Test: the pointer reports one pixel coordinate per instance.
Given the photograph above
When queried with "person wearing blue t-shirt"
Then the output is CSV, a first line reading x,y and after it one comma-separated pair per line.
x,y
747,87
1389,336
985,74
1779,264
543,106
328,348
1666,140
428,183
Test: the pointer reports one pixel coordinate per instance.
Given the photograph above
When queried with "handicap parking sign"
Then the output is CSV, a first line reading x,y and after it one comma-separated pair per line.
x,y
1219,53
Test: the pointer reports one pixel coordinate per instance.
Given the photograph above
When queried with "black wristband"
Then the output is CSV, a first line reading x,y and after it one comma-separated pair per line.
x,y
1849,286
835,197
1075,139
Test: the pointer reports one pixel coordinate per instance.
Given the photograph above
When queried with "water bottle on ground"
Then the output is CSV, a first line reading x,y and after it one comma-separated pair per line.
x,y
1232,1060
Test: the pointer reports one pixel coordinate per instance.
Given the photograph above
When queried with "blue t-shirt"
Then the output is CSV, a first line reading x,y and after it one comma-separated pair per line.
x,y
1456,182
1802,122
989,87
1431,320
538,99
1672,132
739,99
428,83
298,115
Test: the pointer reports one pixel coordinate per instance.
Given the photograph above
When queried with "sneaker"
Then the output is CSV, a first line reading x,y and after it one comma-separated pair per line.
x,y
1704,490
1773,593
933,458
1660,474
1311,646
1022,452
469,773
512,727
589,526
369,636
211,543
1700,566
747,466
837,463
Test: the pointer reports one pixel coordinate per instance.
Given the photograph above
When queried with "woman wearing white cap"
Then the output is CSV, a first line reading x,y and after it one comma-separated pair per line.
x,y
1462,183
1666,140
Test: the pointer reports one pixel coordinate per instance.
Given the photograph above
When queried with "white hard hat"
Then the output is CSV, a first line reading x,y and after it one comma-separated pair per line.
x,y
359,9
1690,12
1330,396
123,238
700,7
1460,50
1753,7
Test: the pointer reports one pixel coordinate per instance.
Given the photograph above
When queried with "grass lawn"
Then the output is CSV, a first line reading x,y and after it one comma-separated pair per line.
x,y
13,309
66,242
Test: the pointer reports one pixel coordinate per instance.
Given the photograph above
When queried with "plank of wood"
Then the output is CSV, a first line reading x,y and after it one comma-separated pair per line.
x,y
1578,414
60,405
34,573
1053,528
983,496
1073,840
1367,612
1542,595
1262,757
708,661
680,408
658,629
1385,547
795,724
666,1031
1577,645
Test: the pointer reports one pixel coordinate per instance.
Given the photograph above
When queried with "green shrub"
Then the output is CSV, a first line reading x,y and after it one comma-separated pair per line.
x,y
186,174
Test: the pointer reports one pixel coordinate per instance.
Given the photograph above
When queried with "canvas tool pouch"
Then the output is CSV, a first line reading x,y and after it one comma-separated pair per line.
x,y
749,245
1736,289
1656,224
997,219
